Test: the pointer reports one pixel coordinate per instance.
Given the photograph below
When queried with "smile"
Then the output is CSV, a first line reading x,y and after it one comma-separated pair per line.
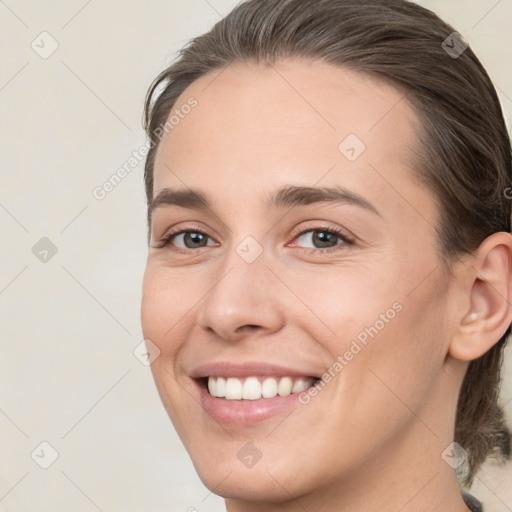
x,y
256,388
252,392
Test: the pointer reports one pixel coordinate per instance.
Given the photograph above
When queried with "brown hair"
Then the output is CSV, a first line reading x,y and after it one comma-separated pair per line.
x,y
465,157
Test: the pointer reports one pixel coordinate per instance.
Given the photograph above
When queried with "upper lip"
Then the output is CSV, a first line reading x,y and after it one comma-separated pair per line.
x,y
253,369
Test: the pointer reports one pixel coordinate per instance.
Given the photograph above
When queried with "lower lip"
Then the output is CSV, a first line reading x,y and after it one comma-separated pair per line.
x,y
245,412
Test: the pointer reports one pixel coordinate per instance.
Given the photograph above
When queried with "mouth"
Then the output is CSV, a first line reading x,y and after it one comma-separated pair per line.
x,y
249,393
256,387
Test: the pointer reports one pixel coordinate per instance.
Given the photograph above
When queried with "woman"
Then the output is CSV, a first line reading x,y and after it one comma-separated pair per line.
x,y
329,272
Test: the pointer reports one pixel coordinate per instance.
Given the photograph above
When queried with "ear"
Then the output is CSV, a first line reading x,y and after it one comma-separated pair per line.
x,y
490,299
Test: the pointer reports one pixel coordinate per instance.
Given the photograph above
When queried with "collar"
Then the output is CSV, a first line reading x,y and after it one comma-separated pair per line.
x,y
471,502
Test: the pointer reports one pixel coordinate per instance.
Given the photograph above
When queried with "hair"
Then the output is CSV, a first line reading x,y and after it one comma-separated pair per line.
x,y
465,155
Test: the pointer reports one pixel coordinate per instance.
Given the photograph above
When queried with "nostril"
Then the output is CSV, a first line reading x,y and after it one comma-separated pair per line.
x,y
249,327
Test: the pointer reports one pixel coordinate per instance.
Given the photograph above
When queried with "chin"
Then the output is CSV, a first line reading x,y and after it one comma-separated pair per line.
x,y
270,479
247,485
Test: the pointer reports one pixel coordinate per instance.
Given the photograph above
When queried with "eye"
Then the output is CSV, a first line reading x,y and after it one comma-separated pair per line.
x,y
324,238
327,238
185,239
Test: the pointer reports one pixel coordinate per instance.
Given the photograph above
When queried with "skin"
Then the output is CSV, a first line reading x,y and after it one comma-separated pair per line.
x,y
372,439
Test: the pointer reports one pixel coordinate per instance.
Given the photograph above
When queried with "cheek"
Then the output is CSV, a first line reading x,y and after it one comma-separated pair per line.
x,y
402,361
391,341
341,304
166,306
163,318
167,316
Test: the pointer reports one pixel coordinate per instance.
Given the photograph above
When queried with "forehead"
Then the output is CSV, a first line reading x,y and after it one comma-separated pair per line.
x,y
296,121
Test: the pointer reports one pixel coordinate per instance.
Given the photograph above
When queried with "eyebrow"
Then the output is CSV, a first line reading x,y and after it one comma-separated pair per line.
x,y
288,196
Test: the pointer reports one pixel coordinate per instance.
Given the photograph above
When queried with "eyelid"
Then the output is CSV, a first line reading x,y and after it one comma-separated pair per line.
x,y
323,226
165,240
345,243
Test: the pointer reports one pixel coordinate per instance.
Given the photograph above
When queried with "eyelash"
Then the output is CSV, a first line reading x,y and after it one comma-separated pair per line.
x,y
167,239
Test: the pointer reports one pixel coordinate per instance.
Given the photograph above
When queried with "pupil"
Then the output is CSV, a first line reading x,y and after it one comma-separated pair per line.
x,y
194,237
323,238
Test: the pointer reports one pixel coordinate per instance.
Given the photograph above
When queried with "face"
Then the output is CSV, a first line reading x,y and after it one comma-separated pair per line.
x,y
269,282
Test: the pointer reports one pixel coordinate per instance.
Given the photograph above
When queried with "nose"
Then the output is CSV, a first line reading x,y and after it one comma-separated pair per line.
x,y
243,299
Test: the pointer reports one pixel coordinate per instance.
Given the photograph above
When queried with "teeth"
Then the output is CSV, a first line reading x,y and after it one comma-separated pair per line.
x,y
269,388
300,385
233,389
254,388
284,388
251,389
220,388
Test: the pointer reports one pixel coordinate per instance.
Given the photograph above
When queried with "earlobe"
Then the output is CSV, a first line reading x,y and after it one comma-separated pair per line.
x,y
490,299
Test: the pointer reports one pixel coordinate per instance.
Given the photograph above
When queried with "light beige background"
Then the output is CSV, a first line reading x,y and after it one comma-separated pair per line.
x,y
68,375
